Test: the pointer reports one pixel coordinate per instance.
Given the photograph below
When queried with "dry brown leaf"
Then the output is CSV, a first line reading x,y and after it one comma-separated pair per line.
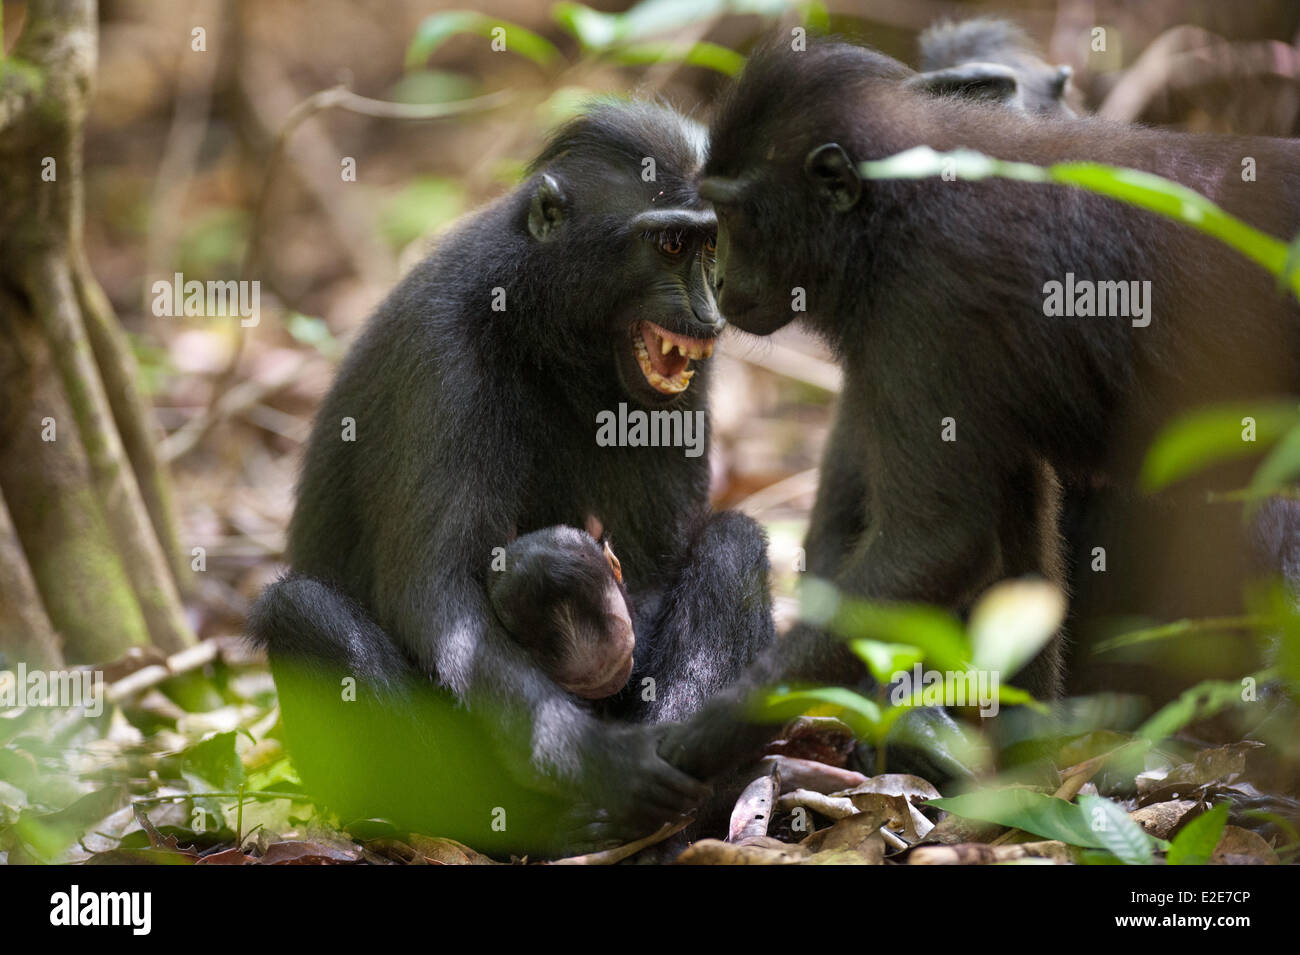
x,y
1242,847
309,853
832,807
822,739
717,852
810,774
1161,819
438,851
976,853
752,813
859,833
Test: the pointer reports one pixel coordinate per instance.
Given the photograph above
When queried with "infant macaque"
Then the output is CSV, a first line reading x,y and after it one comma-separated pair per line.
x,y
561,596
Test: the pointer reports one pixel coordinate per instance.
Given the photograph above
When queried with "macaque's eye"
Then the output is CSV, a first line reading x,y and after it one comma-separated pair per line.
x,y
671,243
711,245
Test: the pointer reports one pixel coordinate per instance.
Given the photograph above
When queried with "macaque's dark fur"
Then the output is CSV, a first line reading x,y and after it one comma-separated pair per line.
x,y
472,427
931,294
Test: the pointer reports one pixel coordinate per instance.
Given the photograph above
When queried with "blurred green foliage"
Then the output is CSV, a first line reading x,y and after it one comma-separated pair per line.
x,y
420,207
629,38
1007,628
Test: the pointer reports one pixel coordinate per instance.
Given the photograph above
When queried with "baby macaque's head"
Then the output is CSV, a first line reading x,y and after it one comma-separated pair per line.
x,y
561,596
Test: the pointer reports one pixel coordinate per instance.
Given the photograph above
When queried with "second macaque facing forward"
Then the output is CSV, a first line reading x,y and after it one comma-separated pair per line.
x,y
561,596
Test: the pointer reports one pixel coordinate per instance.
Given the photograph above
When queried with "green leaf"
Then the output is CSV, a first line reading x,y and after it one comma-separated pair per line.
x,y
1011,622
1281,467
707,55
1211,435
592,29
935,632
435,30
651,18
215,761
602,32
1138,188
1196,842
1014,696
1033,812
816,17
886,659
862,715
1116,830
1199,702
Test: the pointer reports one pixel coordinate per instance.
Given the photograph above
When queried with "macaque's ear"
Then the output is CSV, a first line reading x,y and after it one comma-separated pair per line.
x,y
982,81
615,567
546,211
833,175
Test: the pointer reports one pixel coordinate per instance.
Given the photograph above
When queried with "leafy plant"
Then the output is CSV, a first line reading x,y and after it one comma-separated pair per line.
x,y
1007,628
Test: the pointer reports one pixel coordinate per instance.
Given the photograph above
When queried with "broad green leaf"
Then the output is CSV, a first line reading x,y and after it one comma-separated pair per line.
x,y
215,761
885,659
1209,436
1011,622
1117,832
862,715
935,632
1033,812
1196,842
971,687
435,30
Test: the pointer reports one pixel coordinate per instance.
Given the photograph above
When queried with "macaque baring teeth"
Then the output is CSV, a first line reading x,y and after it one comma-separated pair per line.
x,y
665,357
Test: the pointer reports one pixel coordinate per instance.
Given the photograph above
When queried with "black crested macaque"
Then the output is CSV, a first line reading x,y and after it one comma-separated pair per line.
x,y
936,297
994,59
467,415
561,596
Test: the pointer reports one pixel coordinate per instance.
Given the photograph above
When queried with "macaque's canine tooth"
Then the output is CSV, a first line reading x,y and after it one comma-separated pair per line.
x,y
667,345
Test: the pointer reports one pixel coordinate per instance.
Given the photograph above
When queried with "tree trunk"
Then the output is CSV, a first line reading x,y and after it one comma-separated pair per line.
x,y
97,546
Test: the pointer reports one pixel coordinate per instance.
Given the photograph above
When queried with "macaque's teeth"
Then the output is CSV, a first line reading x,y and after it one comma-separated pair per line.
x,y
682,350
708,349
669,386
666,344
